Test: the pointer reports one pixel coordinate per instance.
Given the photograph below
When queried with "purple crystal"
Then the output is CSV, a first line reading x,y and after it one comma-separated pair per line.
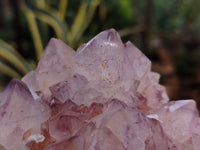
x,y
20,113
104,96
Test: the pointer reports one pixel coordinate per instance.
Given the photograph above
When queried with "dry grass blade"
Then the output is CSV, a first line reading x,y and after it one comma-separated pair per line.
x,y
10,55
5,69
35,33
52,18
62,8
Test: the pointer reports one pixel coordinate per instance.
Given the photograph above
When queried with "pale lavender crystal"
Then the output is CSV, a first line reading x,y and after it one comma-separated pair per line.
x,y
53,67
104,96
132,127
118,71
20,113
180,122
109,68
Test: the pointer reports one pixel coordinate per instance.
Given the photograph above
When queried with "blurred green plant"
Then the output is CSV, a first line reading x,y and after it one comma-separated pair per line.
x,y
55,18
41,15
14,59
67,20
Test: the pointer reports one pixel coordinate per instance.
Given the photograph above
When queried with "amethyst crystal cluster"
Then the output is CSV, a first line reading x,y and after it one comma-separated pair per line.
x,y
101,97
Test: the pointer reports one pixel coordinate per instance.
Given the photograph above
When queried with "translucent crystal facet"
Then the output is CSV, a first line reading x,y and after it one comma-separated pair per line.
x,y
104,96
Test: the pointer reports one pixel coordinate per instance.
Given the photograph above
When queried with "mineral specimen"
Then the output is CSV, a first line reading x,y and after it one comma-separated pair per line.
x,y
101,97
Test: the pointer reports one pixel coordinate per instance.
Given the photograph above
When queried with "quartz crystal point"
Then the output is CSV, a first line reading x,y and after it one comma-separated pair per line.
x,y
53,67
20,115
104,96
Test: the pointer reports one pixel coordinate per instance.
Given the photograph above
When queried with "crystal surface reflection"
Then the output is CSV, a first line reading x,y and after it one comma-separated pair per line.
x,y
104,96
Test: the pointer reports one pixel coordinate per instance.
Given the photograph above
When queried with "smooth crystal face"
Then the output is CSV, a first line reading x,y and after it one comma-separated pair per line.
x,y
104,96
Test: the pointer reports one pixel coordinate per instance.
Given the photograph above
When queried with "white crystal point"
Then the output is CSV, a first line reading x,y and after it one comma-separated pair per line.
x,y
154,116
33,93
179,104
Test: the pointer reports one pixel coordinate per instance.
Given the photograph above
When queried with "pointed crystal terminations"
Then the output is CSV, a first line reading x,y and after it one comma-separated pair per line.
x,y
20,115
104,96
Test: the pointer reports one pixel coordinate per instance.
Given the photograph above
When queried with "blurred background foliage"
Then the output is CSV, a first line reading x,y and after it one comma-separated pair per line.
x,y
168,32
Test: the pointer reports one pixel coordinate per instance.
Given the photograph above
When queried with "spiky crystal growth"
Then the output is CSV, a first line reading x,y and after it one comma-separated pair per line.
x,y
101,97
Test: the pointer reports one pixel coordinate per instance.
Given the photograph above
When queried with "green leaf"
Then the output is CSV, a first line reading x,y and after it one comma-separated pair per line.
x,y
126,9
9,54
51,17
82,20
62,8
78,22
40,3
5,69
35,33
